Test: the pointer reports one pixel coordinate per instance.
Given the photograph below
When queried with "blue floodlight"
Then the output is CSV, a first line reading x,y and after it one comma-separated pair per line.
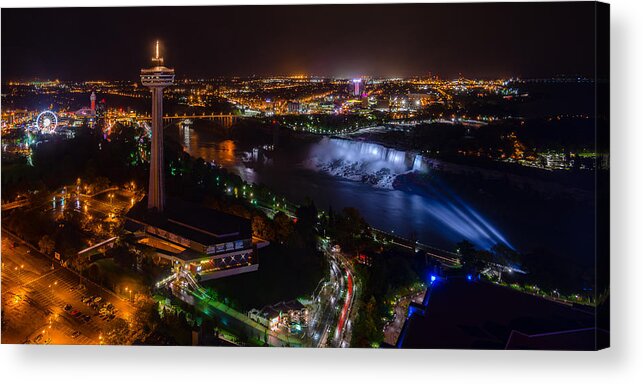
x,y
433,278
469,277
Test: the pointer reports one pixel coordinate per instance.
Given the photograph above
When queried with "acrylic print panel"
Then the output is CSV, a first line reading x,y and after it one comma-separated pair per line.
x,y
367,176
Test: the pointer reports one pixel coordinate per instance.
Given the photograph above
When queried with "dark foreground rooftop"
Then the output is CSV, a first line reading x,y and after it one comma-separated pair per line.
x,y
476,315
198,223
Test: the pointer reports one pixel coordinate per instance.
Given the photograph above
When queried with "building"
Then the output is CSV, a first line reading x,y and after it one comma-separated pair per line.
x,y
457,313
293,107
291,315
101,108
208,243
356,87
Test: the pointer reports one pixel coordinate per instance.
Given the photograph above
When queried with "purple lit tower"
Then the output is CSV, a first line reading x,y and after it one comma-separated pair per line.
x,y
157,78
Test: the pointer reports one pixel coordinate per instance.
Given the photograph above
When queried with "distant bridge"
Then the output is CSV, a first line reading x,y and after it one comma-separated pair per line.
x,y
220,116
442,255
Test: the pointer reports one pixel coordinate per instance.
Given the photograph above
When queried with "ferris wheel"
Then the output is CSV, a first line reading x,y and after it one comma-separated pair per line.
x,y
47,121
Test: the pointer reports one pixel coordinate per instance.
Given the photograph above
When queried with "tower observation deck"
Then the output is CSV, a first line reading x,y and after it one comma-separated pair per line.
x,y
157,78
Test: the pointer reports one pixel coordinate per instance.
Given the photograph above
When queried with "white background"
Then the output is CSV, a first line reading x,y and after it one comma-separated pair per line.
x,y
622,363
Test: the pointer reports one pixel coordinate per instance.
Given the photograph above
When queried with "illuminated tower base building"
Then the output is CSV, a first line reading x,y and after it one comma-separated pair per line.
x,y
157,78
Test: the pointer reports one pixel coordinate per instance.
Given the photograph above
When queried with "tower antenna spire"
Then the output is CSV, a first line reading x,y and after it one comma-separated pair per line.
x,y
157,59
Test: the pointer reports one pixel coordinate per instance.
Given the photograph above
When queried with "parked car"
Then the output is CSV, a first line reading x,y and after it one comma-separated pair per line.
x,y
75,334
67,307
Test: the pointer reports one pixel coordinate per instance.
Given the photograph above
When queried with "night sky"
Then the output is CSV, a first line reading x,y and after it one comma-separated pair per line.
x,y
475,40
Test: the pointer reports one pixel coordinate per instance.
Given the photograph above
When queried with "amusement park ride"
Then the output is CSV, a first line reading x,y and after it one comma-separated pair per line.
x,y
47,121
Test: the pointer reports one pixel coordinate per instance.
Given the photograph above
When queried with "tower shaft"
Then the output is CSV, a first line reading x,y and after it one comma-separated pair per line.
x,y
156,195
157,78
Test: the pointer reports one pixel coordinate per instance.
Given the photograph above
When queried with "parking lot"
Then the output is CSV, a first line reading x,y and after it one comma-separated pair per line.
x,y
45,303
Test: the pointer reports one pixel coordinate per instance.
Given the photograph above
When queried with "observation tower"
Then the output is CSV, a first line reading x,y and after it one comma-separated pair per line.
x,y
157,78
200,242
92,100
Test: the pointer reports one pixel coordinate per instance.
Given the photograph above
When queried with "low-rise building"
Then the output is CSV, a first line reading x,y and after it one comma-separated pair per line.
x,y
291,315
209,243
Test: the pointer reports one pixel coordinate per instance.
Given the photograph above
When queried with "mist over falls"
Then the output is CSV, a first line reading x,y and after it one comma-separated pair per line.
x,y
363,161
379,166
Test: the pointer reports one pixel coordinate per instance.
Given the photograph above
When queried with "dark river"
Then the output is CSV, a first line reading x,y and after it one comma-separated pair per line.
x,y
344,173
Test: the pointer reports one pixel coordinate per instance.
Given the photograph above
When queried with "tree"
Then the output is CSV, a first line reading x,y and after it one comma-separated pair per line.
x,y
122,256
504,255
262,227
46,245
212,294
307,216
367,330
79,263
283,227
351,230
146,316
467,252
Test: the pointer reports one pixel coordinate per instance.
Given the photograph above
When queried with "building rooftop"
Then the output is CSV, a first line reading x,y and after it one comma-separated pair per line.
x,y
197,223
478,315
270,311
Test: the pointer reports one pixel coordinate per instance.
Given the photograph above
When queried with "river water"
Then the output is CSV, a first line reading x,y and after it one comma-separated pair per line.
x,y
346,173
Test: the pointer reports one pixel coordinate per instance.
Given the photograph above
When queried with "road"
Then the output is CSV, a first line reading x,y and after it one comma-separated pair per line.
x,y
34,294
347,315
324,317
331,320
